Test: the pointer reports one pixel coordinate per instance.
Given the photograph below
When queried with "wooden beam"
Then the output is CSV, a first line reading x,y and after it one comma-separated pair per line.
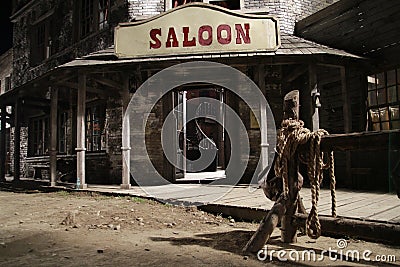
x,y
367,141
331,79
88,88
37,100
295,73
367,230
60,79
107,82
336,8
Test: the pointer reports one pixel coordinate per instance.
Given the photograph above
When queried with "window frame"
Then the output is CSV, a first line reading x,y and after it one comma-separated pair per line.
x,y
39,136
169,4
40,40
89,19
62,132
383,100
91,133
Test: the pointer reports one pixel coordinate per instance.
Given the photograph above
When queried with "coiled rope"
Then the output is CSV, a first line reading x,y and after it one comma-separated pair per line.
x,y
290,136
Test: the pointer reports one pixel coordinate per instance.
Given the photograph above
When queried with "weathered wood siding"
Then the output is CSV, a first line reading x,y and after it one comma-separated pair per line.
x,y
369,28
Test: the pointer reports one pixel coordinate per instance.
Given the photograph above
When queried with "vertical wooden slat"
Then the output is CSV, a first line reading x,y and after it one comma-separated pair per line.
x,y
346,102
347,118
169,172
53,135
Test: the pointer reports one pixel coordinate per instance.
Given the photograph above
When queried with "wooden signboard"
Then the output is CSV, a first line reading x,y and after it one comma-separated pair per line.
x,y
197,29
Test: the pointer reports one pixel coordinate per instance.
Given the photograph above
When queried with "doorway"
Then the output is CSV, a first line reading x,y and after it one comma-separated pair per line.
x,y
204,134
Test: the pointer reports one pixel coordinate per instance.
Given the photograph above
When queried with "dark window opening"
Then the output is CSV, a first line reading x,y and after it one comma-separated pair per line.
x,y
177,3
93,16
7,83
62,132
95,132
39,136
40,42
229,4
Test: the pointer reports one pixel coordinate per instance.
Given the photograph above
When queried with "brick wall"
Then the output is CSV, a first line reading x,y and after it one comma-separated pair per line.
x,y
145,8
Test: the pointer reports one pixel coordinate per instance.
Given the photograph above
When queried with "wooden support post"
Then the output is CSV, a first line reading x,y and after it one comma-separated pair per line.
x,y
231,158
53,135
291,105
313,89
267,226
346,118
284,208
346,102
126,146
81,129
169,172
288,229
17,139
3,152
263,118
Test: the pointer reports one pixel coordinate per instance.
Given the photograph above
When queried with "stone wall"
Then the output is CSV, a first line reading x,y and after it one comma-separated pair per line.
x,y
23,150
114,139
65,46
5,69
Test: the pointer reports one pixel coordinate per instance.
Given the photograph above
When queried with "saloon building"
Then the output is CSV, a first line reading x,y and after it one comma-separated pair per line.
x,y
77,64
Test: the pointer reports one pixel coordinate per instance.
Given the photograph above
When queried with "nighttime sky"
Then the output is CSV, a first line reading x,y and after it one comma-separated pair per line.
x,y
5,26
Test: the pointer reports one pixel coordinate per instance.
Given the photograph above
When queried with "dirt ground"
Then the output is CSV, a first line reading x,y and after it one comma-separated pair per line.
x,y
80,229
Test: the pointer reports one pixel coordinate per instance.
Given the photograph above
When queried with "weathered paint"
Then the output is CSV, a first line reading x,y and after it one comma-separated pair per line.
x,y
197,28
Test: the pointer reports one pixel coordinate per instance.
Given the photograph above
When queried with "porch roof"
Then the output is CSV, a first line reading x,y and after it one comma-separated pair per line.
x,y
290,46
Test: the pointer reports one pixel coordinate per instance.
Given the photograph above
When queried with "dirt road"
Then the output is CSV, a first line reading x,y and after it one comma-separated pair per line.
x,y
76,229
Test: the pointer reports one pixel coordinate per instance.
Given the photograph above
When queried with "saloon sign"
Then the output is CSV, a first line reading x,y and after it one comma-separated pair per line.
x,y
194,29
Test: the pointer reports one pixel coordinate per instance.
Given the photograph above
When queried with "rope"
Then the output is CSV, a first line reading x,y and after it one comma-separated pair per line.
x,y
290,136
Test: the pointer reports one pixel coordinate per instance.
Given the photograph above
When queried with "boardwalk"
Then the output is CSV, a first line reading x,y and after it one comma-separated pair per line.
x,y
350,204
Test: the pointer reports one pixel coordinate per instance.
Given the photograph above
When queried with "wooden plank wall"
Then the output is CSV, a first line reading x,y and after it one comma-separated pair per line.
x,y
361,27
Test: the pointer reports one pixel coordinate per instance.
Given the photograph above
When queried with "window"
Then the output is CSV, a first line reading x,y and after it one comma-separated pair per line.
x,y
231,4
384,100
95,134
7,85
40,42
93,16
176,3
103,13
62,132
39,136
